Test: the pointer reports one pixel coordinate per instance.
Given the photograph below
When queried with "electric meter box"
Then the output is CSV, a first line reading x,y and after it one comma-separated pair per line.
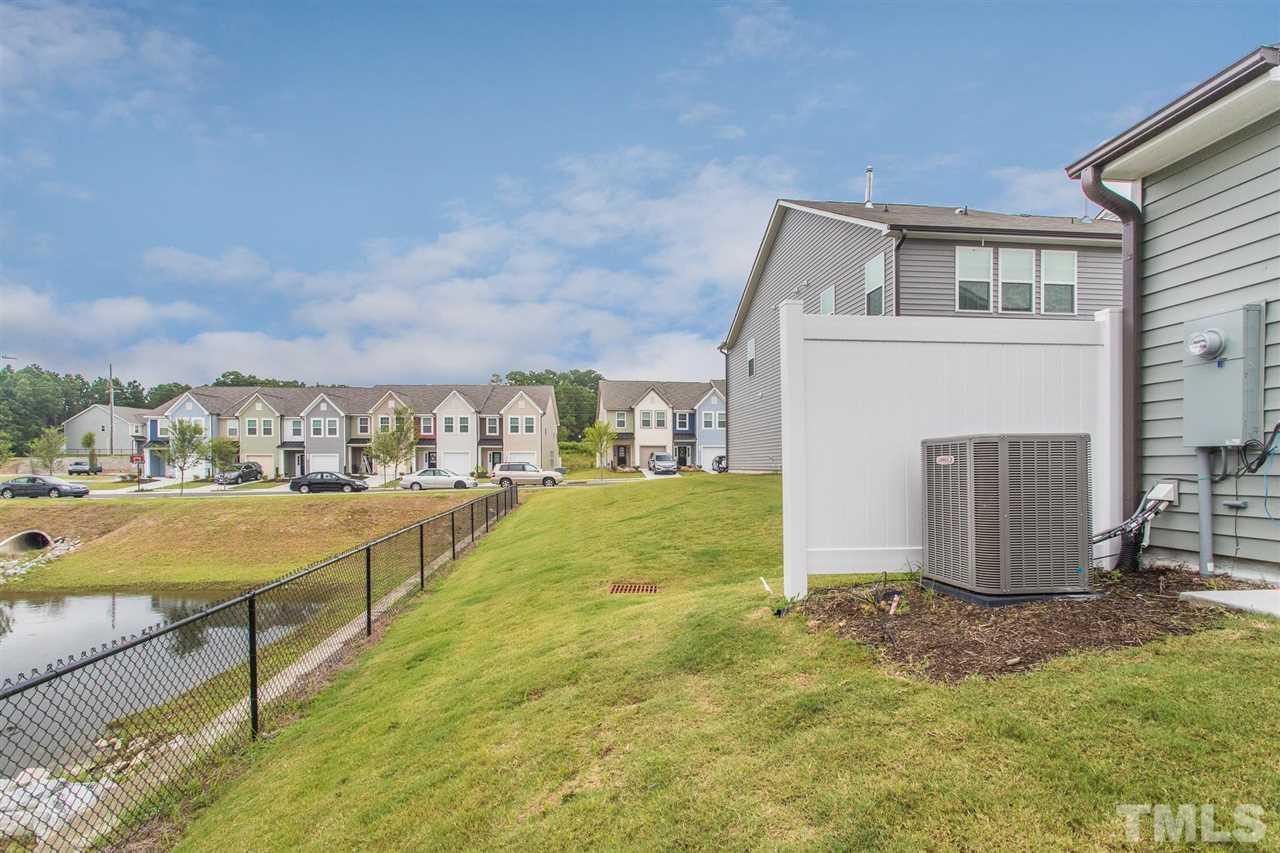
x,y
1222,378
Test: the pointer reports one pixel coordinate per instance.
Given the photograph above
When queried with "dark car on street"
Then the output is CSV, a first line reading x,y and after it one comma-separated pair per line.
x,y
326,481
245,472
80,466
41,486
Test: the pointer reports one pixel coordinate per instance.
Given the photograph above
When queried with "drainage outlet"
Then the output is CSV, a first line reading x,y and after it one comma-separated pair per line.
x,y
624,588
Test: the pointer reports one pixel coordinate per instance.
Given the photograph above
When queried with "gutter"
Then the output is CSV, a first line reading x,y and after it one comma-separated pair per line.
x,y
1130,327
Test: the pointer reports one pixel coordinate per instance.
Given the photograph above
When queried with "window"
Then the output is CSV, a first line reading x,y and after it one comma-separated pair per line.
x,y
295,427
427,424
751,356
721,418
331,427
362,424
528,424
646,419
827,301
973,278
513,424
492,426
384,423
660,419
251,426
1057,281
1017,280
873,285
233,429
448,423
317,427
268,426
682,421
162,428
464,424
708,420
620,420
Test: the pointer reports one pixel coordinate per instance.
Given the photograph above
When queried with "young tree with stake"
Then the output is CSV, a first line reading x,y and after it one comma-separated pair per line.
x,y
89,441
598,436
47,447
186,448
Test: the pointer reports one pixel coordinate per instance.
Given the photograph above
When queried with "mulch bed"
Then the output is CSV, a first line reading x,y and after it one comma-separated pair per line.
x,y
946,639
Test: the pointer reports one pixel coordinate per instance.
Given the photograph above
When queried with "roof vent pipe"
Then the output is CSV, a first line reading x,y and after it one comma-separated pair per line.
x,y
866,196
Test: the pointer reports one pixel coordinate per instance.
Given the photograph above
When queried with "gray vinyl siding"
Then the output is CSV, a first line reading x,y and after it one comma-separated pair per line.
x,y
809,249
927,273
1212,243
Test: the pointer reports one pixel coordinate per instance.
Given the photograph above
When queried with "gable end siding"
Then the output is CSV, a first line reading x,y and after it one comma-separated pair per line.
x,y
1211,242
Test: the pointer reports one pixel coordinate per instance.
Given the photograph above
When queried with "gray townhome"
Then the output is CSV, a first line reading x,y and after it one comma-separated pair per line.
x,y
901,260
1202,229
125,435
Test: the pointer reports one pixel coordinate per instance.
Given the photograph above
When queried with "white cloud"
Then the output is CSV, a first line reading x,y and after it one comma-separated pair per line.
x,y
1044,191
48,44
700,112
759,29
673,356
237,264
65,190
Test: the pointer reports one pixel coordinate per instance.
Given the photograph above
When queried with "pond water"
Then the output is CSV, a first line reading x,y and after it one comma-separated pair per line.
x,y
37,629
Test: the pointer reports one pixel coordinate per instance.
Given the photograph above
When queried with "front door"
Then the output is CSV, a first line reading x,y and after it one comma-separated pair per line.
x,y
620,455
431,459
682,455
495,456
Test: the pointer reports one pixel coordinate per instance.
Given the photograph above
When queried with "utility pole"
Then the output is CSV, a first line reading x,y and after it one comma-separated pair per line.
x,y
111,404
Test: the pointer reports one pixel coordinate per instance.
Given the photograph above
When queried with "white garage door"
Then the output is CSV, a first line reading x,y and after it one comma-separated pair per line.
x,y
522,456
324,462
709,454
457,461
266,460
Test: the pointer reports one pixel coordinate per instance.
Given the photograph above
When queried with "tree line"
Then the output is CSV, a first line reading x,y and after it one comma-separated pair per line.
x,y
32,398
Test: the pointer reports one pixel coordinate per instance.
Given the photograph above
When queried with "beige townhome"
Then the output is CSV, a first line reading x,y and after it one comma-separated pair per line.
x,y
660,417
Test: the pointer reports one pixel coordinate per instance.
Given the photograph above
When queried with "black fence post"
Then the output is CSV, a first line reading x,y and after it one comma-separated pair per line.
x,y
253,667
368,591
422,555
453,535
486,513
471,511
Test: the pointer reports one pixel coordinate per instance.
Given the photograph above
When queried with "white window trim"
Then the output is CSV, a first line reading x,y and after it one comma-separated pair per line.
x,y
268,427
362,425
685,417
1075,284
233,429
751,356
251,426
620,420
317,423
866,293
721,417
529,426
708,420
331,428
829,290
464,424
646,419
991,279
1000,284
301,431
493,425
384,423
448,424
513,425
427,423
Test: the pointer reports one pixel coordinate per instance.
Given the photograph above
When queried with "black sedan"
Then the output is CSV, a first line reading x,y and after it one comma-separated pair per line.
x,y
326,481
41,487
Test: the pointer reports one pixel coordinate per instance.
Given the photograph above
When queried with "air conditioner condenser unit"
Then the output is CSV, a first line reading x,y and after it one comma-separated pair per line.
x,y
1007,514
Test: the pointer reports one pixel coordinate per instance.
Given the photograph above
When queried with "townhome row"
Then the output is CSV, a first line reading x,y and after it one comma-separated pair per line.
x,y
686,419
892,260
292,431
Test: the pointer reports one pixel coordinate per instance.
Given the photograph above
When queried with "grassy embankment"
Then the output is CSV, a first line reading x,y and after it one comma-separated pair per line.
x,y
521,706
207,542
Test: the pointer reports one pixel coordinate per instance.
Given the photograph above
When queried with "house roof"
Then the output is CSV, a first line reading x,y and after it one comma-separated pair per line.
x,y
1238,81
616,394
360,400
128,413
959,218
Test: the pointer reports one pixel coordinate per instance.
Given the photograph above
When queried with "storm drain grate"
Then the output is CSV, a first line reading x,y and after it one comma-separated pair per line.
x,y
626,588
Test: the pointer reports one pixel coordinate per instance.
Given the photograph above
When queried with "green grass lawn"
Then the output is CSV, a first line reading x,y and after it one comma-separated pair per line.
x,y
150,544
594,474
254,485
521,706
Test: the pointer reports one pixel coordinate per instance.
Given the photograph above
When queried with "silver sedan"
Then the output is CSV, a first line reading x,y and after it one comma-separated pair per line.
x,y
436,478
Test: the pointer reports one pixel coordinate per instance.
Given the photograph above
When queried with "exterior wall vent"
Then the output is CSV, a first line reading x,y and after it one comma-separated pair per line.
x,y
1007,514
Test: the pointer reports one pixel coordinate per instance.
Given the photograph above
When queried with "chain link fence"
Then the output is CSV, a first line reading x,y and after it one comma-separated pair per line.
x,y
94,745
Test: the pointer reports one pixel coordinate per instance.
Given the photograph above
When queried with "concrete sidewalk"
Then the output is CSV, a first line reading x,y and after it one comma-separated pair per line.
x,y
1262,601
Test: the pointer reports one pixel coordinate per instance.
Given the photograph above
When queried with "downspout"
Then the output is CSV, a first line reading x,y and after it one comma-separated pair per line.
x,y
1131,377
727,423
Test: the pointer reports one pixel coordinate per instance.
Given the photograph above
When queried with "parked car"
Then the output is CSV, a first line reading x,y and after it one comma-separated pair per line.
x,y
525,474
245,472
436,478
663,463
720,464
42,486
326,481
80,466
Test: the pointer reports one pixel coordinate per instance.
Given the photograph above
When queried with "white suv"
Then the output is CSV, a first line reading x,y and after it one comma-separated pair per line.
x,y
525,474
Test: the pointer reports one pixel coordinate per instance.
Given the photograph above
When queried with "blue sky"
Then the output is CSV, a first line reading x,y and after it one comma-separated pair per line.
x,y
412,192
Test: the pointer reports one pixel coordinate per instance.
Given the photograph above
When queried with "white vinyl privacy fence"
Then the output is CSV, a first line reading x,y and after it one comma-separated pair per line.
x,y
860,393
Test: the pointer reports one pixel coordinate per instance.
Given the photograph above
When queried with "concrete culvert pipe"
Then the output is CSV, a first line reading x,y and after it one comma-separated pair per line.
x,y
27,540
